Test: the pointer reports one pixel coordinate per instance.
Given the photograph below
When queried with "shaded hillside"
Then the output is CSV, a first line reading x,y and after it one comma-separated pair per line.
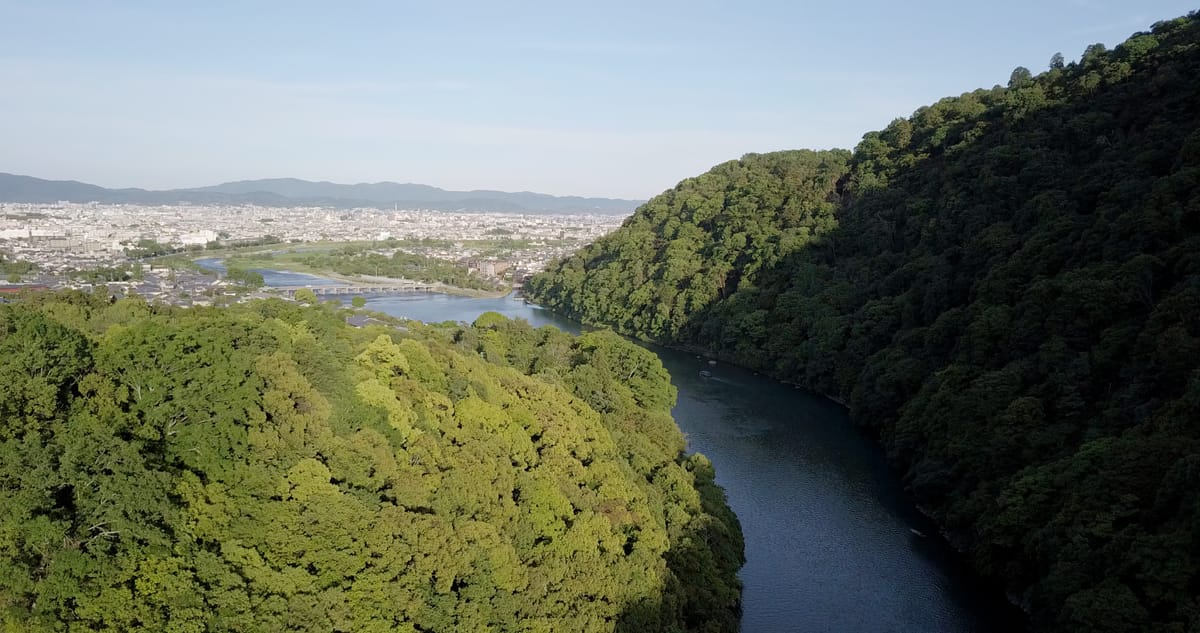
x,y
283,192
1005,287
697,244
270,468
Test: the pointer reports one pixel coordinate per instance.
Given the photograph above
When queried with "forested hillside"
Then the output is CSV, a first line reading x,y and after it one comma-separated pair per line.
x,y
1005,287
270,468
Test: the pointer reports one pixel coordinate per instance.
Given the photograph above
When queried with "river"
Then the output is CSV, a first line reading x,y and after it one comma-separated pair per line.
x,y
273,278
829,531
829,540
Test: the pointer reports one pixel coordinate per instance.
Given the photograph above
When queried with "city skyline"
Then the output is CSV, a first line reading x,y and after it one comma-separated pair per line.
x,y
621,100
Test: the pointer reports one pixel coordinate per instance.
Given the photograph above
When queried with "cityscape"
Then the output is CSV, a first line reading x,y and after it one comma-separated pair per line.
x,y
63,240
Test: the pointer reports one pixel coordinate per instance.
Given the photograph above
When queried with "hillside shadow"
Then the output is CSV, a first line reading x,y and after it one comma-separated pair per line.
x,y
980,214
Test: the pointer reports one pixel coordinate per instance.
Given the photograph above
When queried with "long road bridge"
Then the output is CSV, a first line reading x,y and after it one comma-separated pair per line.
x,y
376,289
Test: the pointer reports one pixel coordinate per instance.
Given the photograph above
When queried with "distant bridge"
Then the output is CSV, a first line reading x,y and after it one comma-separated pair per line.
x,y
325,291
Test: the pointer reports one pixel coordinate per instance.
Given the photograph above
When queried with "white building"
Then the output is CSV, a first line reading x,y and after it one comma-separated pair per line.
x,y
199,238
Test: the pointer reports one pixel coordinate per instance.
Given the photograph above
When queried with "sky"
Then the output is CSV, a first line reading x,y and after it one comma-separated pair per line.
x,y
611,98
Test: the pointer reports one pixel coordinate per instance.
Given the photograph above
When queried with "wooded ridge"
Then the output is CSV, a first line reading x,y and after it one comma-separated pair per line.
x,y
1004,287
268,467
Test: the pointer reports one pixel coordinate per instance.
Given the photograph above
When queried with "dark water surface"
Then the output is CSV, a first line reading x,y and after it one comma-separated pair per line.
x,y
829,545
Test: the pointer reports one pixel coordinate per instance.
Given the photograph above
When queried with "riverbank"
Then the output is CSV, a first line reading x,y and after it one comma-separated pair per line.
x,y
437,286
294,268
827,524
373,280
954,542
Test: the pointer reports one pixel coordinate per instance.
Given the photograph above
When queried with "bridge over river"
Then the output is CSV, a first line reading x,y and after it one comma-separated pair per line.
x,y
364,289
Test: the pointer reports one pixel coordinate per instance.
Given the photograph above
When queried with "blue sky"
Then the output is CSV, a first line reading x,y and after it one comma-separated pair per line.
x,y
601,98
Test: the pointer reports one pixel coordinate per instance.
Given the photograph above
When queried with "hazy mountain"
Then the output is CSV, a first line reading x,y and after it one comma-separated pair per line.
x,y
291,191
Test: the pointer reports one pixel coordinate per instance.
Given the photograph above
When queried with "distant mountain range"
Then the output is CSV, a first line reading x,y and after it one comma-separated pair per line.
x,y
281,192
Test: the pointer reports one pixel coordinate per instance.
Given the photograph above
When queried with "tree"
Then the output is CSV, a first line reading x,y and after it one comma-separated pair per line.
x,y
305,295
1019,336
268,467
243,276
1020,77
1092,55
358,302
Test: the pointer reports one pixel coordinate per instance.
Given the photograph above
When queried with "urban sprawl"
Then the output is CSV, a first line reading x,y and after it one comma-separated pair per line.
x,y
62,239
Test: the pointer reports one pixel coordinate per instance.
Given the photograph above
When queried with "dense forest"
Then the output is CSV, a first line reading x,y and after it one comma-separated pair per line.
x,y
1004,287
268,467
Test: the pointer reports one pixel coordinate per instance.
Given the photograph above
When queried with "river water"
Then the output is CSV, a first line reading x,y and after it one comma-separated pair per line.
x,y
829,534
829,541
273,278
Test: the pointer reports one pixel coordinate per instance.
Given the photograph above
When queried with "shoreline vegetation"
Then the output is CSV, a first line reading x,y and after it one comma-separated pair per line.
x,y
1002,287
372,280
354,263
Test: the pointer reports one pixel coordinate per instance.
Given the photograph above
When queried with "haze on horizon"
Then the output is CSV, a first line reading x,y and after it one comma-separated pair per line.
x,y
615,99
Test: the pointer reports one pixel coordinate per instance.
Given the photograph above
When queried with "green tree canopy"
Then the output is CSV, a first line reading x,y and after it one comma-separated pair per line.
x,y
266,467
1003,287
